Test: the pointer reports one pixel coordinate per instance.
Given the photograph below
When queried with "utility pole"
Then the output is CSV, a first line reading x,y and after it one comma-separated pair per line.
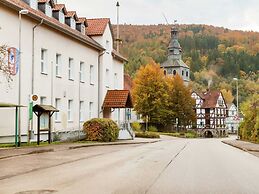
x,y
118,27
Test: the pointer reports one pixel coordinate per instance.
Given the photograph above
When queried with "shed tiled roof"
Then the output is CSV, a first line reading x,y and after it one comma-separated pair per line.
x,y
52,22
118,99
96,27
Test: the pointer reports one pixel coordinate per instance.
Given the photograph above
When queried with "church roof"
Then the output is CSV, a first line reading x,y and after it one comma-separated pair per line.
x,y
174,63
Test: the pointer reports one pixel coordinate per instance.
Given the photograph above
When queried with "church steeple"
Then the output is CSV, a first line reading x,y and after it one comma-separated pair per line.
x,y
174,48
174,63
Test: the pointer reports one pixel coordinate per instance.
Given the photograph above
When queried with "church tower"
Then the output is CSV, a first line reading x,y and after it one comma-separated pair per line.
x,y
174,64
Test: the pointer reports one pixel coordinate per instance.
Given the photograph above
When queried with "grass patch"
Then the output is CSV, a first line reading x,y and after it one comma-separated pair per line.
x,y
33,144
147,135
188,134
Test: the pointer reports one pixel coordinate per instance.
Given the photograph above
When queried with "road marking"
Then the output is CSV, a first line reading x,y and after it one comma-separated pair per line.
x,y
164,169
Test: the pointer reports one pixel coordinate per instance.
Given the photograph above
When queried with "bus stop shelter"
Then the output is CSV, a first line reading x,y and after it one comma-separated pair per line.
x,y
48,110
8,105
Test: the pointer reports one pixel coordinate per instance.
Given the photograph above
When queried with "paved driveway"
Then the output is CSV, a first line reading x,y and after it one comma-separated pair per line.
x,y
170,166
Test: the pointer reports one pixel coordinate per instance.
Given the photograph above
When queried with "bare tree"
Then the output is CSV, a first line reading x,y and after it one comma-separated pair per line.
x,y
4,66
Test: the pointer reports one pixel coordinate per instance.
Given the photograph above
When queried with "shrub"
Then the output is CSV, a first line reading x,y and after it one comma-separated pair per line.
x,y
136,126
104,130
152,129
147,135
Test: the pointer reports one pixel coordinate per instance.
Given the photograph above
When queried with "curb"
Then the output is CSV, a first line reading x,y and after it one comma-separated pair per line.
x,y
40,151
111,144
239,147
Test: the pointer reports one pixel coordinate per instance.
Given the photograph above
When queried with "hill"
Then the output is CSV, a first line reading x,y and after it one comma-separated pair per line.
x,y
215,54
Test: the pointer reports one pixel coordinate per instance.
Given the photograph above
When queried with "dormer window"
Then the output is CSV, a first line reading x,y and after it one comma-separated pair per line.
x,y
59,12
32,3
81,25
46,7
71,19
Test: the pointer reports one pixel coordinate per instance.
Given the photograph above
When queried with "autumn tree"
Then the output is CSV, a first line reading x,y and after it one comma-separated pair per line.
x,y
249,128
150,93
227,94
181,103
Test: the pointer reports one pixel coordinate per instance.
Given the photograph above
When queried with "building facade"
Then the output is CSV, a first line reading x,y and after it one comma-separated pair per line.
x,y
60,62
211,113
174,63
232,120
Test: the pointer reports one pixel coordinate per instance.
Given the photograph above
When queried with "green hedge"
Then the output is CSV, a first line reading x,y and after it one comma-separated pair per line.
x,y
104,130
147,135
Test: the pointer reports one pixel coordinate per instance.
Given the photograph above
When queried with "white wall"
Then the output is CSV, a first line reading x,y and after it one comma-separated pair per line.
x,y
47,85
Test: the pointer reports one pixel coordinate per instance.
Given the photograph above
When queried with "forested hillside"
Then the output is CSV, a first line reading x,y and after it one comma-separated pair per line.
x,y
215,55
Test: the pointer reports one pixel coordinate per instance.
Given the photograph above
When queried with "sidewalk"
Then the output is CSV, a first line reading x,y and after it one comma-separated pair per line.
x,y
245,146
14,152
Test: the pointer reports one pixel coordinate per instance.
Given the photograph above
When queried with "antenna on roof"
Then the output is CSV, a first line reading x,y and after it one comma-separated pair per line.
x,y
165,18
118,27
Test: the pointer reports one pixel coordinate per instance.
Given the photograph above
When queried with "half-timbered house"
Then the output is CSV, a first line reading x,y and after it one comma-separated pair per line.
x,y
211,113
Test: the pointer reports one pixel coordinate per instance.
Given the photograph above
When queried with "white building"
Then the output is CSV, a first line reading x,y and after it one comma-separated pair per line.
x,y
60,63
232,120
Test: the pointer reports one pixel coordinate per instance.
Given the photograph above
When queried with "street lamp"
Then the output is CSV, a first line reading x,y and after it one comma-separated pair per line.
x,y
21,12
236,79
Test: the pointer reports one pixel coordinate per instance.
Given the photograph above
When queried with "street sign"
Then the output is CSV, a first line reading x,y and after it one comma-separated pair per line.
x,y
13,60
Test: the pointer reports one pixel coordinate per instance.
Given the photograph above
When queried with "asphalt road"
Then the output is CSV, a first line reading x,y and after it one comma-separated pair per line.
x,y
170,166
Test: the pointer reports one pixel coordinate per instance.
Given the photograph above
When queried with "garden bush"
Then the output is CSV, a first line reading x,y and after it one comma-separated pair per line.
x,y
147,135
136,126
104,130
152,129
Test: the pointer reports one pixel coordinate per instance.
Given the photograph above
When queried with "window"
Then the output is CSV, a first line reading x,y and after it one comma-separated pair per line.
x,y
82,72
43,61
43,100
174,72
71,69
91,74
182,73
58,65
69,110
107,78
115,81
91,104
57,106
187,73
81,111
61,17
107,46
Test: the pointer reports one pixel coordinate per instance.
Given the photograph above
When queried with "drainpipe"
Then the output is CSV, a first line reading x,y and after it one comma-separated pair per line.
x,y
32,74
99,82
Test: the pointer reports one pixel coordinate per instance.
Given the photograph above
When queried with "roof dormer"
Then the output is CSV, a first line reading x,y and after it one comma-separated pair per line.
x,y
81,25
58,12
46,6
32,3
71,19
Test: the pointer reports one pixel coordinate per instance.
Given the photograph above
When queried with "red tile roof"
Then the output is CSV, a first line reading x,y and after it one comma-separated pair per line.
x,y
52,22
59,7
52,3
96,27
71,14
210,99
118,99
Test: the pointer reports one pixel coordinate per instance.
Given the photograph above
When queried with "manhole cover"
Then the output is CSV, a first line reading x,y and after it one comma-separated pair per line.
x,y
37,192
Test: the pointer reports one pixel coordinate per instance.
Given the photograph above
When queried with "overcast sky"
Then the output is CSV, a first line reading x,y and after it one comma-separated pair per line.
x,y
233,14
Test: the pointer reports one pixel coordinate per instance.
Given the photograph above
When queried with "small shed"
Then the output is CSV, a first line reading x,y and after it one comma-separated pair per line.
x,y
48,110
116,99
9,105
